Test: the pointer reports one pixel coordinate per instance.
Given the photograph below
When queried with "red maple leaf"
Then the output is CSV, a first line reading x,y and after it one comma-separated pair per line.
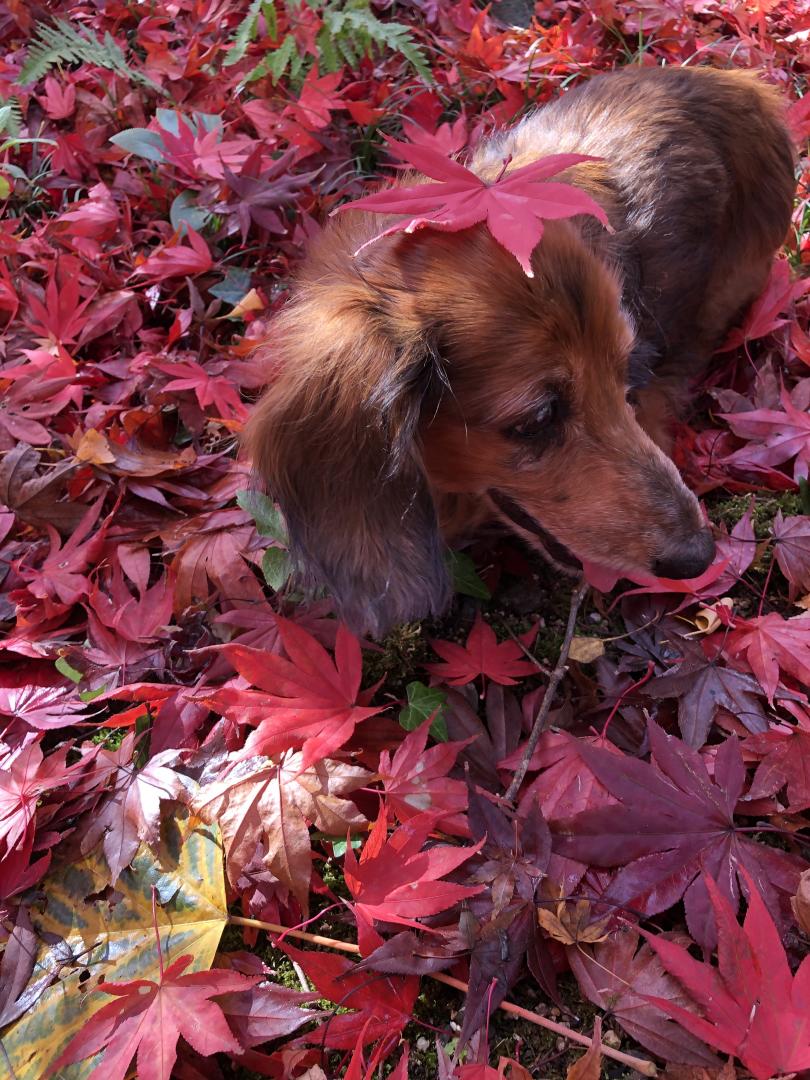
x,y
777,436
176,259
61,576
147,1018
482,655
25,776
765,314
752,1007
773,644
216,390
397,877
785,754
673,823
416,780
621,978
381,1006
514,206
308,700
792,549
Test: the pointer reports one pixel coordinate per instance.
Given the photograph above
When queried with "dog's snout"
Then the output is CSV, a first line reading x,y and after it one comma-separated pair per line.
x,y
688,559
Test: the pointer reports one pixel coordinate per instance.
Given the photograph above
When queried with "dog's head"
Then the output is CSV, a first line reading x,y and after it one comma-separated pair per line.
x,y
429,367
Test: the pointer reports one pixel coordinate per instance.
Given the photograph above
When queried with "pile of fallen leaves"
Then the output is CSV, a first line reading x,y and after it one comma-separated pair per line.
x,y
237,841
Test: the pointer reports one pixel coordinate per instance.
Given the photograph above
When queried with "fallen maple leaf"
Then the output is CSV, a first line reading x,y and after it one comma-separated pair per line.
x,y
772,644
176,259
752,1006
702,684
261,802
765,314
397,877
785,754
148,1018
482,655
513,206
589,1066
776,436
380,1007
416,780
573,923
673,822
307,699
791,538
130,813
617,976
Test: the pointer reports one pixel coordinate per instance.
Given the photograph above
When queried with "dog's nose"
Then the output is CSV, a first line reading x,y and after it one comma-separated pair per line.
x,y
689,559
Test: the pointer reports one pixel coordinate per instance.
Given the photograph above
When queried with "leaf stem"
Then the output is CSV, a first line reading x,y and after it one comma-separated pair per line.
x,y
642,1065
548,698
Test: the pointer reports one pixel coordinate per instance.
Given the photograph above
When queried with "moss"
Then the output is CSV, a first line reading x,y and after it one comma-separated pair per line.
x,y
728,511
403,653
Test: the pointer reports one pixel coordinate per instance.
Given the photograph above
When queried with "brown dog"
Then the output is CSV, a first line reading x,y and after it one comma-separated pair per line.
x,y
428,385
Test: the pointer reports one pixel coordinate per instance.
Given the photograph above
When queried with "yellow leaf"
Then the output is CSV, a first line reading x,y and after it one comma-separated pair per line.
x,y
94,449
572,923
587,649
112,936
706,621
251,301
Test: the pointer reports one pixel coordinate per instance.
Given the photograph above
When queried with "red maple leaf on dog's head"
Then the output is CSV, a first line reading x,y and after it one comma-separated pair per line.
x,y
513,206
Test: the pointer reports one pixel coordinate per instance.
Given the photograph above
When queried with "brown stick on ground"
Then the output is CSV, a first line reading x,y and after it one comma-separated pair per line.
x,y
556,678
642,1065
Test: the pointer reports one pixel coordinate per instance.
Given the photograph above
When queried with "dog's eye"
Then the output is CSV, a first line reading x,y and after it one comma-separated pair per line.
x,y
538,424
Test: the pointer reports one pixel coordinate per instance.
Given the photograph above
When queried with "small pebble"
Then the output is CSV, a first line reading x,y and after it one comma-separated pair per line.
x,y
454,1026
422,1044
595,617
561,1044
611,1039
554,1013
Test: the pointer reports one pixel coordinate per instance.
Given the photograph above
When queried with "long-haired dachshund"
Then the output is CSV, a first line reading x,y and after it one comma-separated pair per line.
x,y
427,386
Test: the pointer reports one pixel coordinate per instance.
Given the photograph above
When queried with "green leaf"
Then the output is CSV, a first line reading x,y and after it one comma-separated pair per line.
x,y
245,33
66,669
423,702
465,576
276,567
184,211
141,141
265,513
275,63
230,290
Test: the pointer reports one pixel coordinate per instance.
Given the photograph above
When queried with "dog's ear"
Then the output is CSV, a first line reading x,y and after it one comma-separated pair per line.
x,y
335,440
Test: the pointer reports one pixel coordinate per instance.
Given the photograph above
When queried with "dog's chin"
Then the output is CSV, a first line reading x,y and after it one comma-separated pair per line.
x,y
548,545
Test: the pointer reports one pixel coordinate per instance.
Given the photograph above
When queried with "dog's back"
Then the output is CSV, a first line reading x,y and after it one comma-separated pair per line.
x,y
698,169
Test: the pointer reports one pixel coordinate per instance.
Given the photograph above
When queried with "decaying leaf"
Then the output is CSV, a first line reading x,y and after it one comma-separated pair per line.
x,y
109,934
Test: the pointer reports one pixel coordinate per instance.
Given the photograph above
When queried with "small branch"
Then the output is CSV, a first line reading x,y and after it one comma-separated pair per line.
x,y
642,1065
548,699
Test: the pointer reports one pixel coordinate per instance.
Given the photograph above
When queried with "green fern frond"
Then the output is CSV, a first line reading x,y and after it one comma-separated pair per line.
x,y
61,43
357,29
246,30
277,61
11,120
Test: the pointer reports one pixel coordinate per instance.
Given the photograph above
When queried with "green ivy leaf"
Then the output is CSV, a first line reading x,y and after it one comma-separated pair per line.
x,y
276,567
141,141
265,513
465,576
424,702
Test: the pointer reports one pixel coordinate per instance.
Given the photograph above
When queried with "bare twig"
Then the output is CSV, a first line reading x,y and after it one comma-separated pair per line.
x,y
642,1065
548,699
